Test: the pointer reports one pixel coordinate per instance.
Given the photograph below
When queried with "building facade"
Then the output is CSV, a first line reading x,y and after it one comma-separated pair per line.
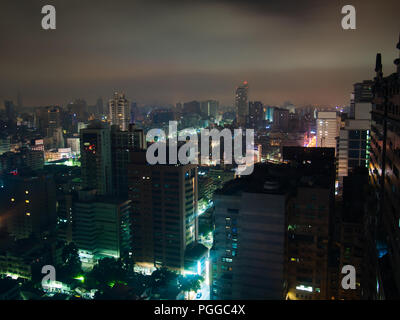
x,y
385,178
119,111
164,220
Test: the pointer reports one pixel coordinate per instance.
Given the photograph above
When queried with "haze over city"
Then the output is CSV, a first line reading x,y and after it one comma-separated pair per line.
x,y
163,52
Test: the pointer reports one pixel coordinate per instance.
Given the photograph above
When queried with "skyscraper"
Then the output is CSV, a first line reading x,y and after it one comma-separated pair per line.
x,y
281,119
249,240
123,143
96,158
209,108
101,227
354,137
28,205
119,111
310,211
328,126
164,202
99,106
362,94
385,177
256,114
241,104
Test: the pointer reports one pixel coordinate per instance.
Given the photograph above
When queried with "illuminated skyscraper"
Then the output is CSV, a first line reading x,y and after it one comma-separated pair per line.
x,y
241,104
354,137
119,110
164,221
328,126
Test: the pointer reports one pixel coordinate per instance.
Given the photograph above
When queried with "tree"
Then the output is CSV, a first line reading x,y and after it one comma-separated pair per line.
x,y
163,277
107,272
117,292
190,283
71,263
140,282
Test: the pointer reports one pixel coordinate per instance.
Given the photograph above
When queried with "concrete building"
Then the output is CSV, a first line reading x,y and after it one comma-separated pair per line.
x,y
281,119
352,232
24,160
164,222
95,142
241,103
310,214
28,205
119,111
123,143
354,138
249,239
385,178
256,114
362,94
328,125
209,108
101,227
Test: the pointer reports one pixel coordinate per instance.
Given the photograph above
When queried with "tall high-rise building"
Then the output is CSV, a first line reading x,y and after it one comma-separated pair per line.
x,y
269,113
247,258
385,178
101,227
123,143
99,106
272,229
352,232
354,138
191,107
241,104
10,113
77,110
362,94
209,108
164,202
310,212
48,120
28,205
256,114
119,111
96,168
281,119
328,125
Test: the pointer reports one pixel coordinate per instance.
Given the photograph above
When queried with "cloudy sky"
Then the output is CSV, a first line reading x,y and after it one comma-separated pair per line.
x,y
178,50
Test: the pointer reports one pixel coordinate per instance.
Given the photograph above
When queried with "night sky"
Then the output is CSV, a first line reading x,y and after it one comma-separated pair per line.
x,y
162,52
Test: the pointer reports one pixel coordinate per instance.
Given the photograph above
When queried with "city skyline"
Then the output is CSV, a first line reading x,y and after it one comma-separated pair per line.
x,y
200,150
161,53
